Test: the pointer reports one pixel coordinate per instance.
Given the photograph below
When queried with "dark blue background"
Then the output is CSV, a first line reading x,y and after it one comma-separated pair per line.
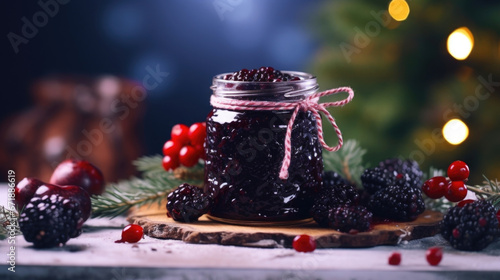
x,y
191,40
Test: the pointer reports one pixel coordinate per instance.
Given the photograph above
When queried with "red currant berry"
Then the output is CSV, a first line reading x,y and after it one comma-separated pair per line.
x,y
498,216
435,187
304,243
197,133
188,156
131,234
464,202
456,191
458,171
434,255
180,134
171,148
395,258
201,151
170,162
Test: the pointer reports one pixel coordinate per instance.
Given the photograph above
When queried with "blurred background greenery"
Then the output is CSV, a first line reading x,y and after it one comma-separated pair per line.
x,y
399,58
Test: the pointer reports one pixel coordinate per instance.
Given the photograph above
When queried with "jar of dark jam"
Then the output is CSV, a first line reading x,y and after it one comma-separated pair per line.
x,y
245,150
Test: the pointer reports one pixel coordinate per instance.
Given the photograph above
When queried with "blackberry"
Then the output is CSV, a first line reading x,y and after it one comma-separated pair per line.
x,y
330,197
395,172
187,203
51,220
263,74
400,203
375,179
405,167
471,227
349,218
332,178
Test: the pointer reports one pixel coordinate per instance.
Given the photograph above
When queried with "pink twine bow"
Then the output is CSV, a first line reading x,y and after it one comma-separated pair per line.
x,y
308,104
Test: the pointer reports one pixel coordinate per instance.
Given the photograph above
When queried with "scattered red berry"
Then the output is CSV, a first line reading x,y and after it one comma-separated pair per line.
x,y
498,216
170,162
197,133
458,171
395,258
464,202
131,234
171,148
435,187
456,191
180,134
304,243
188,156
79,173
434,255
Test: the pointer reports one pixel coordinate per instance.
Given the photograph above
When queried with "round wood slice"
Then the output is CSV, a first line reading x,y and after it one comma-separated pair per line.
x,y
156,224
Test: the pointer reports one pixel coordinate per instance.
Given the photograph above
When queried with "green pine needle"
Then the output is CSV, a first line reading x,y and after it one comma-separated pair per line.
x,y
347,162
152,188
490,190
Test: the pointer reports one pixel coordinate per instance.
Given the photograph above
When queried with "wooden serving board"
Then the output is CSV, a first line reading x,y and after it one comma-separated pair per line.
x,y
156,224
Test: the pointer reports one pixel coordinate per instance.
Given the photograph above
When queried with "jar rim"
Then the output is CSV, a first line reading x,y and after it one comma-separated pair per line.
x,y
298,89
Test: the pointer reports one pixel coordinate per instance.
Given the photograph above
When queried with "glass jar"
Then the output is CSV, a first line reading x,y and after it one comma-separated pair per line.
x,y
245,151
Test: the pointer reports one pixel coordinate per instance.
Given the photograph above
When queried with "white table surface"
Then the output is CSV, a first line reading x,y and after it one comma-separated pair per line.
x,y
94,255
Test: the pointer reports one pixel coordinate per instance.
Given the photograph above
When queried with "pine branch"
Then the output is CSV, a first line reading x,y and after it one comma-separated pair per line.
x,y
150,166
348,161
152,188
8,223
490,190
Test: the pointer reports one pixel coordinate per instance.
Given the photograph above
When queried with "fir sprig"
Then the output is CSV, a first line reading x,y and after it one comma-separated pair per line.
x,y
490,190
153,187
347,162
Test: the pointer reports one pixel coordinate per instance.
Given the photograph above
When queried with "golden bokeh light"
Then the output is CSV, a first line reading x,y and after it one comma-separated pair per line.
x,y
460,43
455,131
399,9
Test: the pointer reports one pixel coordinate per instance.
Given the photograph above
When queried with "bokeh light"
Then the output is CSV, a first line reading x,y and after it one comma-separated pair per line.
x,y
399,9
455,131
460,43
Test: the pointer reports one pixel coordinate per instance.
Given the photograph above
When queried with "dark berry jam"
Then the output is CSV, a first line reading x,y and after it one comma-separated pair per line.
x,y
263,74
244,154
